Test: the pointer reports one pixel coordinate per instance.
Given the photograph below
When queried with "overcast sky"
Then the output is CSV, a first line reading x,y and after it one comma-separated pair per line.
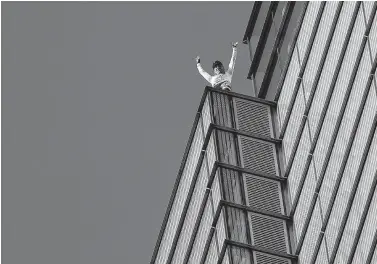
x,y
98,100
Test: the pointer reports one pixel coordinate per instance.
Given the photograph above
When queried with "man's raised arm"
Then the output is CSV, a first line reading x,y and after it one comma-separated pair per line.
x,y
233,59
201,71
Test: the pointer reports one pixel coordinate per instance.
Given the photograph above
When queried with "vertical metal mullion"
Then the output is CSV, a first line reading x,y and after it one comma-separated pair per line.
x,y
232,158
306,224
227,143
252,77
252,20
301,185
263,38
302,70
324,110
334,79
363,219
229,177
290,55
360,110
188,199
197,225
208,173
334,135
372,249
175,189
333,139
215,103
222,253
281,31
309,101
354,190
207,246
213,211
284,185
340,174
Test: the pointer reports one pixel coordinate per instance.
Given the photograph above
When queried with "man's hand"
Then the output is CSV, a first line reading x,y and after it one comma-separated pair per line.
x,y
197,59
234,44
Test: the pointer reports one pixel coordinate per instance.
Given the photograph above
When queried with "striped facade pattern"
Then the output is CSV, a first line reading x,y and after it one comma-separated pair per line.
x,y
291,180
232,194
328,128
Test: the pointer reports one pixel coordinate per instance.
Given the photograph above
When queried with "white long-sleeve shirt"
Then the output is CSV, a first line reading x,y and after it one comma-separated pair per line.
x,y
222,80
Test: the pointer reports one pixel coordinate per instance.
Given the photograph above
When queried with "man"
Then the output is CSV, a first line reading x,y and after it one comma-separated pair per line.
x,y
222,79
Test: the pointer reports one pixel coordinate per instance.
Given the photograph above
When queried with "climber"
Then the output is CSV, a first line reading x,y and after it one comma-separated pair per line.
x,y
221,79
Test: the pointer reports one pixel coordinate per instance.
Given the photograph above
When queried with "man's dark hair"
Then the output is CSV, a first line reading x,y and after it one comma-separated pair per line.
x,y
217,64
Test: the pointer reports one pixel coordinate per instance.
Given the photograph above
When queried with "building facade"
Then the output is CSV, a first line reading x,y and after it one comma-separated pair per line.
x,y
289,175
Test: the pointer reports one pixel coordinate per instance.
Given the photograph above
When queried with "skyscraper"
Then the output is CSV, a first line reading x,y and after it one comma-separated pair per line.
x,y
288,175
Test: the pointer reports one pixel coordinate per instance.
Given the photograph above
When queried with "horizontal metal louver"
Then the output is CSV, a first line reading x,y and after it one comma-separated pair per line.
x,y
268,232
268,259
258,155
253,117
263,194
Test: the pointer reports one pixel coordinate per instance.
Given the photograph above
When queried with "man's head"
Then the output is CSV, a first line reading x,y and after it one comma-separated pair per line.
x,y
218,67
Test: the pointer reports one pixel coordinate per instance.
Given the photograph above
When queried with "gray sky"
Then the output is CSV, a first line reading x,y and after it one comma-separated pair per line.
x,y
98,100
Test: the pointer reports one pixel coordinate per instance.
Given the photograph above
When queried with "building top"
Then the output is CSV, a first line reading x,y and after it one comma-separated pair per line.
x,y
271,30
